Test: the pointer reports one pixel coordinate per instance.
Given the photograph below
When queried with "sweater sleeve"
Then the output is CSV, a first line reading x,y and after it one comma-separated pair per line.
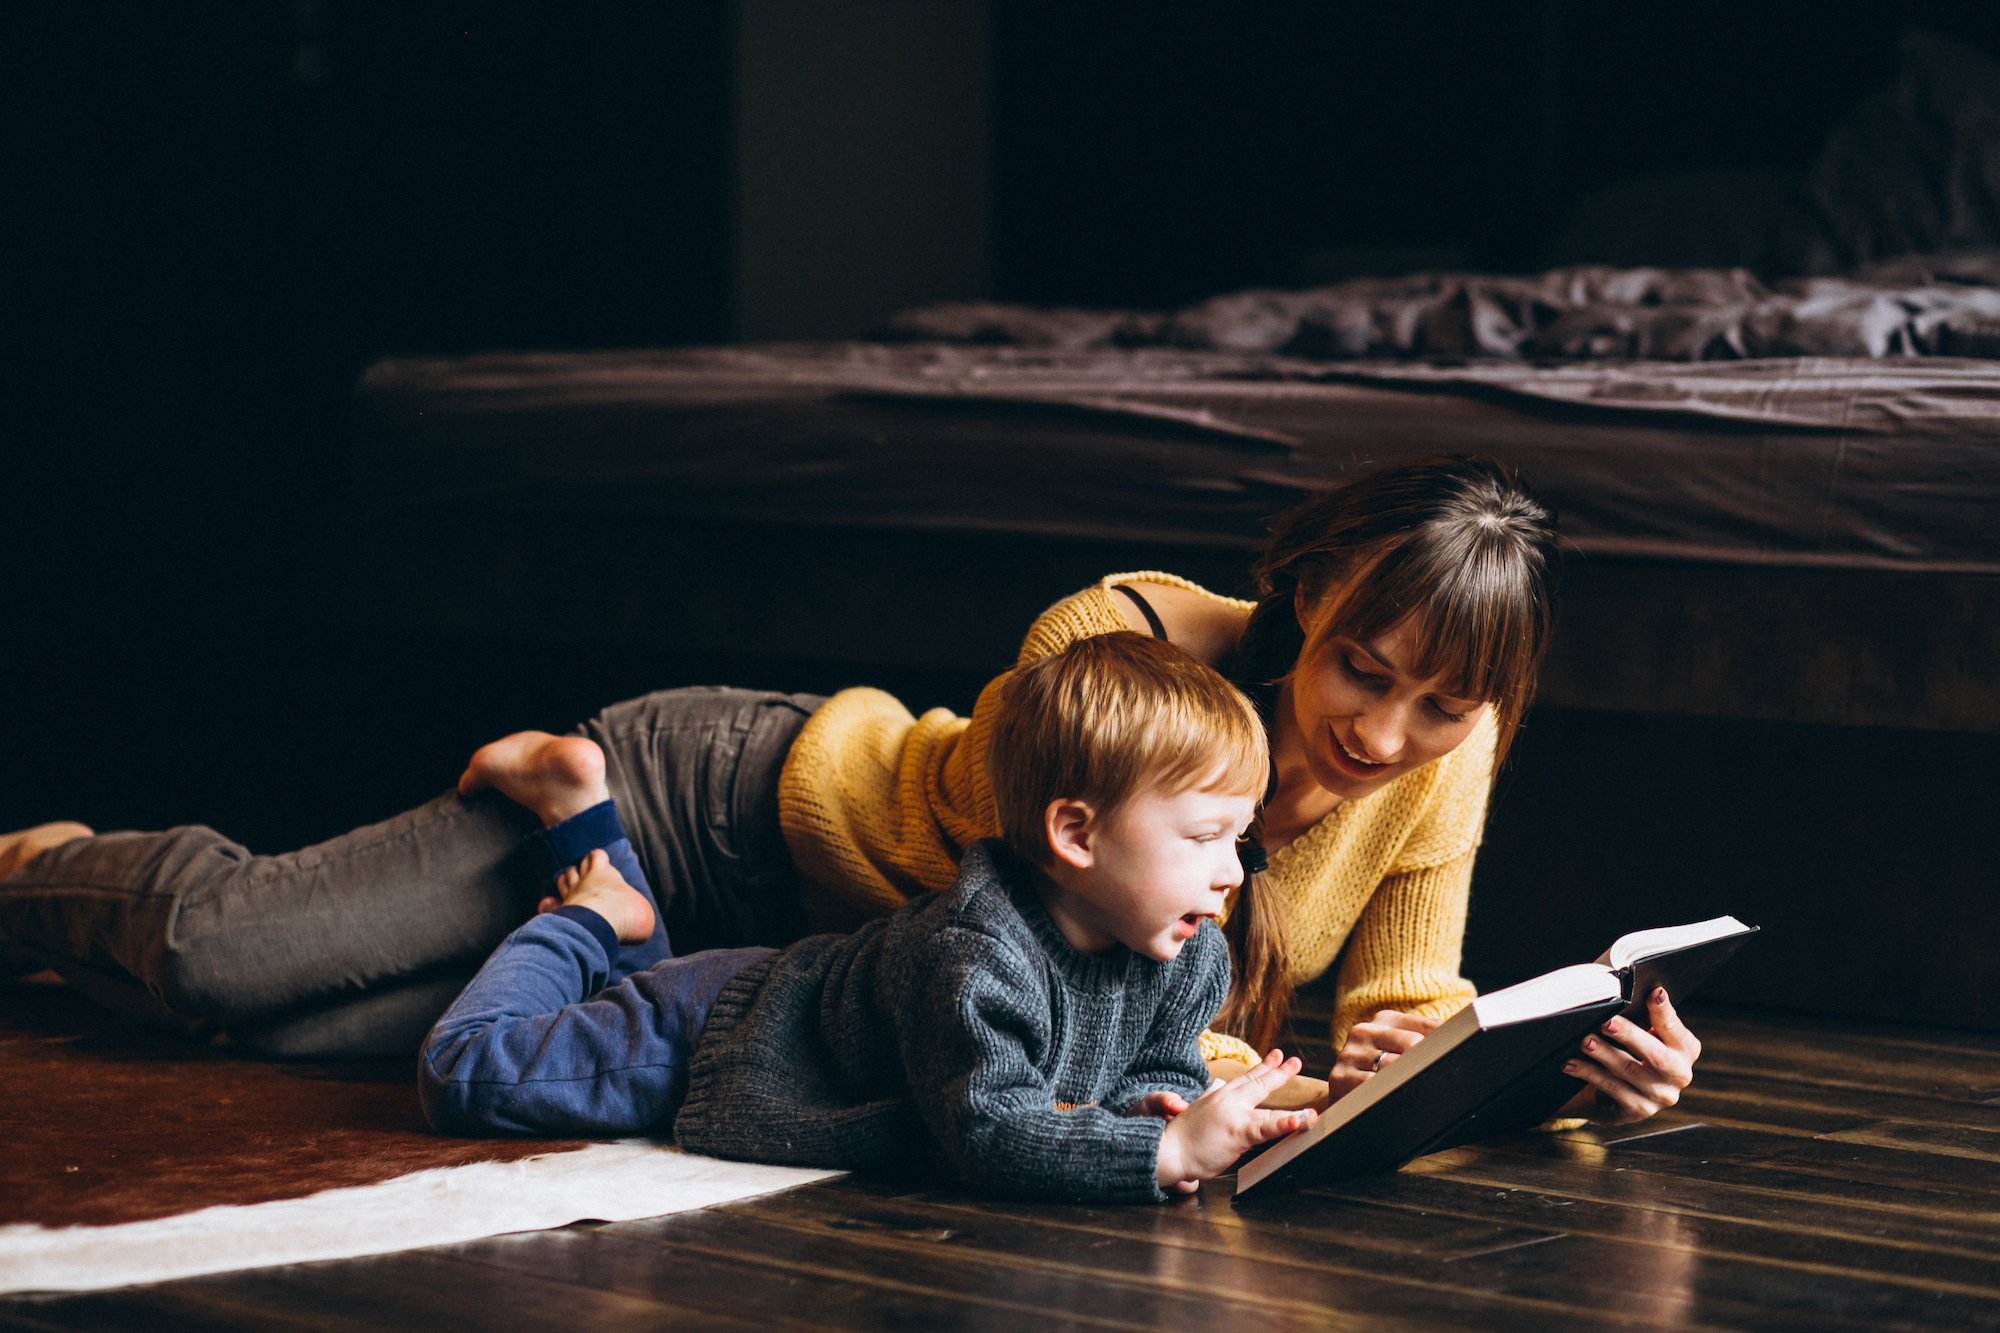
x,y
978,1025
536,1045
1404,951
1171,1060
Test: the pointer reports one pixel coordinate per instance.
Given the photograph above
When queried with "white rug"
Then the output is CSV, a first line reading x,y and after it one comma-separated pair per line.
x,y
609,1182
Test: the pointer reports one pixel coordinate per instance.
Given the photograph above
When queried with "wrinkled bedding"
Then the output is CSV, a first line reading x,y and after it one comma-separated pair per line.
x,y
1937,305
1802,461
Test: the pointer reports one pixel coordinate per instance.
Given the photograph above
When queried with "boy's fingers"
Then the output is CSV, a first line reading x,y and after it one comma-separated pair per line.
x,y
1264,1079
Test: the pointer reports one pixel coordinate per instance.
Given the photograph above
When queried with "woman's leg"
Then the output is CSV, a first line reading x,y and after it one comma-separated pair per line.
x,y
186,925
695,776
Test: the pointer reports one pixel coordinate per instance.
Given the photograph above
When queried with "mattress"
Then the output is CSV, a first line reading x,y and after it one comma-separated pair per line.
x,y
1887,464
1799,539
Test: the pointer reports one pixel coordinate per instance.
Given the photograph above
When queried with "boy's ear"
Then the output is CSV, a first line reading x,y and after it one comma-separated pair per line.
x,y
1069,825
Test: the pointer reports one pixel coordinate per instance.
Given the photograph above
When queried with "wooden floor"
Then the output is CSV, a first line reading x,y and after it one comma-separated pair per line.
x,y
1816,1177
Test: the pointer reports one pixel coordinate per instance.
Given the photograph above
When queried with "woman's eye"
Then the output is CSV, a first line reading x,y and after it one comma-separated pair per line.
x,y
1355,671
1447,716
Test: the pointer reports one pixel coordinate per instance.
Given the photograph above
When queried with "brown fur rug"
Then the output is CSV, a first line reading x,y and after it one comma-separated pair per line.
x,y
108,1123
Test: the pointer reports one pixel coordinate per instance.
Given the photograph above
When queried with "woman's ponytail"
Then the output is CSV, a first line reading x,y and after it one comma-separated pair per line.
x,y
1260,963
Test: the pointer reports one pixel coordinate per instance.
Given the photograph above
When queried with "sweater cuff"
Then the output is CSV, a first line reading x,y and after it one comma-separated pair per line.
x,y
600,929
1131,1162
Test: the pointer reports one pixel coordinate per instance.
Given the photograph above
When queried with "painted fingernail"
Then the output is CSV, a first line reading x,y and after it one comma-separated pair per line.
x,y
1611,1028
1572,1067
1659,995
1590,1043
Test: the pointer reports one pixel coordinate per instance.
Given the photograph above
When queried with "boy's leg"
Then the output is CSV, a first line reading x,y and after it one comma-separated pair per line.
x,y
694,773
189,924
598,828
560,780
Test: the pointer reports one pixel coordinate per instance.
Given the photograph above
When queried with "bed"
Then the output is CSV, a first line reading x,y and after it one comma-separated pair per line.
x,y
1780,625
1808,539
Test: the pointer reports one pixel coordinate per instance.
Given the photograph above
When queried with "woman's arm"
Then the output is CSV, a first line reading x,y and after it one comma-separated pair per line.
x,y
1204,626
1404,951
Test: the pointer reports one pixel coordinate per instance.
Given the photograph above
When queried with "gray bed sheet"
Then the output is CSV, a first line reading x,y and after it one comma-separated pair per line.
x,y
1886,464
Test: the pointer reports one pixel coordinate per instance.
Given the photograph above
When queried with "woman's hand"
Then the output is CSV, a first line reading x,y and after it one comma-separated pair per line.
x,y
1204,1140
1638,1073
1373,1044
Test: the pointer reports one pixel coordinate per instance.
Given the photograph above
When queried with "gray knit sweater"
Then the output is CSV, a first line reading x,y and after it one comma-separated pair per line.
x,y
964,1033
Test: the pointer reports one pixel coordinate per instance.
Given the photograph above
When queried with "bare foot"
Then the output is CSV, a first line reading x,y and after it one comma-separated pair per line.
x,y
17,849
557,777
594,884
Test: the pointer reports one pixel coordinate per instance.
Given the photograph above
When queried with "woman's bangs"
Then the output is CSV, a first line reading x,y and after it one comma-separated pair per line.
x,y
1474,630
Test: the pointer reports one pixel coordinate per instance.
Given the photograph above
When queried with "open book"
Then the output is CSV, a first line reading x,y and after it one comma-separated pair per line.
x,y
1495,1068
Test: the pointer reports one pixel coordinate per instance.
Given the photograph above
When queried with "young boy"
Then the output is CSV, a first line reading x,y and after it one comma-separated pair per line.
x,y
1032,1030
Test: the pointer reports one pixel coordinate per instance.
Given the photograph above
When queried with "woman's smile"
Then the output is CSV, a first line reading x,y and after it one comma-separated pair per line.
x,y
1348,760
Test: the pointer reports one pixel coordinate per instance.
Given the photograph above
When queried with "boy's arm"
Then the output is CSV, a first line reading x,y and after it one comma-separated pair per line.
x,y
522,1051
1170,1061
970,1024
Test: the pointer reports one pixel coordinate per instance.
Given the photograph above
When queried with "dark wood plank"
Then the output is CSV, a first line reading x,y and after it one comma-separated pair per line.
x,y
1720,1095
746,1267
1751,1193
1887,1259
1336,1252
422,1291
1946,1140
1316,1288
1952,1067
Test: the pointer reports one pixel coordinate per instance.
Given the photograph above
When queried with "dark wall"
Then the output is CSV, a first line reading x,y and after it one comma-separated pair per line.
x,y
1149,155
219,213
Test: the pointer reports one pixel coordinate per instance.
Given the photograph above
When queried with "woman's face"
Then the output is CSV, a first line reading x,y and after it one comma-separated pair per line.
x,y
1366,721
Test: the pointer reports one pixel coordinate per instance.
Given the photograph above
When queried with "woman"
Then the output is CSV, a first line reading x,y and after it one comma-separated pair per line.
x,y
1393,649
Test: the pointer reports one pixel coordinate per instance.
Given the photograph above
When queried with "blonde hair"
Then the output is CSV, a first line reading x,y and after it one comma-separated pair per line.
x,y
1111,716
1117,714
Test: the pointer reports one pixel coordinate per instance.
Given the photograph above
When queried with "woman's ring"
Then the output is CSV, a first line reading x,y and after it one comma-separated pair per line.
x,y
1379,1055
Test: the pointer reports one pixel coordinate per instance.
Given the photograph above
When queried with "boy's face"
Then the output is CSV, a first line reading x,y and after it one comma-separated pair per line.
x,y
1158,866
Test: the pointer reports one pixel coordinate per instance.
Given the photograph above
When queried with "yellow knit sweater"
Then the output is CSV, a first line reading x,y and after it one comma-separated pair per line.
x,y
878,805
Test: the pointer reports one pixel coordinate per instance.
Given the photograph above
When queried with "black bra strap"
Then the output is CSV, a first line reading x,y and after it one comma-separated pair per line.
x,y
1145,609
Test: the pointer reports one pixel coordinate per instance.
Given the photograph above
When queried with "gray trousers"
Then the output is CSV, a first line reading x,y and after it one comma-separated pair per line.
x,y
354,947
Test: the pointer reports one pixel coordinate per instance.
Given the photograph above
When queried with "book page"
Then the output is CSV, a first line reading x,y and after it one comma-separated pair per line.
x,y
1551,993
1629,949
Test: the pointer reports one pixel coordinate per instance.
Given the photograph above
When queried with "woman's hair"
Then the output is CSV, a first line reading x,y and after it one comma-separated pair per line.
x,y
1454,544
1111,716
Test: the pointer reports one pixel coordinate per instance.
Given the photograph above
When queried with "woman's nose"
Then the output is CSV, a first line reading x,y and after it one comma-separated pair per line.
x,y
1380,731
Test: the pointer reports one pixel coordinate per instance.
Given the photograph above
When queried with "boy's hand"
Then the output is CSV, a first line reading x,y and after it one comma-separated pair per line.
x,y
593,883
1205,1140
1160,1105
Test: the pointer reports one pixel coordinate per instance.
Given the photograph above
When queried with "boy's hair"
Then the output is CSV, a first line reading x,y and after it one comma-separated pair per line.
x,y
1111,716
